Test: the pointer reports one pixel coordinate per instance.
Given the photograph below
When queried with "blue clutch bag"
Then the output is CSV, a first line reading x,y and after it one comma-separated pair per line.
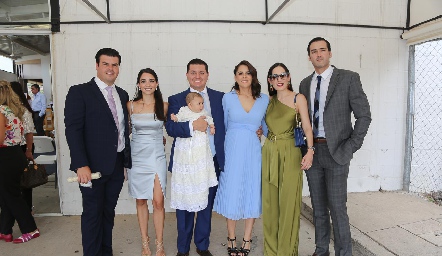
x,y
299,133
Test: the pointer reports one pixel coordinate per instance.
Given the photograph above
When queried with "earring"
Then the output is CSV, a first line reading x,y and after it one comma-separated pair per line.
x,y
271,88
136,92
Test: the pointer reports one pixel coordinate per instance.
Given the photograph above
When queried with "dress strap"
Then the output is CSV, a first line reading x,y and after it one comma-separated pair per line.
x,y
130,116
294,100
298,123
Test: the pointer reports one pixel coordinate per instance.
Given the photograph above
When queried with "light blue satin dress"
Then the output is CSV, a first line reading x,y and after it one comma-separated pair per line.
x,y
148,156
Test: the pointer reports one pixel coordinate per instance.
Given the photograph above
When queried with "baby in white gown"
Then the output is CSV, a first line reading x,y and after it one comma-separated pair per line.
x,y
193,171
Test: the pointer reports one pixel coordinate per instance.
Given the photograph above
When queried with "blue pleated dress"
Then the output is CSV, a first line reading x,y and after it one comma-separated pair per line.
x,y
239,187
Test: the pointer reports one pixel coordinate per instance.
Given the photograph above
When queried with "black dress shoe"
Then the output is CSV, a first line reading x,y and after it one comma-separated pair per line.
x,y
204,253
182,254
326,254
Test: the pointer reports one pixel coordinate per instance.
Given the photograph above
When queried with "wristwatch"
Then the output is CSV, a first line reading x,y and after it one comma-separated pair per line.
x,y
312,148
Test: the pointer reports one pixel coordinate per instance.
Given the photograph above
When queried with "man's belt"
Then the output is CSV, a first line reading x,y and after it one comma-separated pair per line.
x,y
320,140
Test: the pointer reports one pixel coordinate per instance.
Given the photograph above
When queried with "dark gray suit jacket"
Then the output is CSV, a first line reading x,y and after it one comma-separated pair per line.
x,y
344,95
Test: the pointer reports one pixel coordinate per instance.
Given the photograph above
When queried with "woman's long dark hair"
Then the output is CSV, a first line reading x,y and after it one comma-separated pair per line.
x,y
256,86
159,103
18,89
269,74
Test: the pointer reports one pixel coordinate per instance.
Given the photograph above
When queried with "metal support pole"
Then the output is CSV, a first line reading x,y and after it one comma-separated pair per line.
x,y
409,120
277,11
96,11
55,15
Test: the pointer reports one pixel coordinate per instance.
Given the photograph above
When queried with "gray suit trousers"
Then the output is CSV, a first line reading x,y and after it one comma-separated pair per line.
x,y
327,182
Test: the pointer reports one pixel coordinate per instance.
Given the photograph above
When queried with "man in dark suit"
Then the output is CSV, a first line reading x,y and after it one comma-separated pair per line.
x,y
332,95
97,133
197,75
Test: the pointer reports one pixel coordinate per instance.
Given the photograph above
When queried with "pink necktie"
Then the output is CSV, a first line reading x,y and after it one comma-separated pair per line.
x,y
112,106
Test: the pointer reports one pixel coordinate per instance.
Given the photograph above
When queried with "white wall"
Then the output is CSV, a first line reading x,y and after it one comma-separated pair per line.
x,y
4,75
46,77
378,55
31,71
422,10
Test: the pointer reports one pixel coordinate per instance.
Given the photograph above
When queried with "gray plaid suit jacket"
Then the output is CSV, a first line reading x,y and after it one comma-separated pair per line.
x,y
344,95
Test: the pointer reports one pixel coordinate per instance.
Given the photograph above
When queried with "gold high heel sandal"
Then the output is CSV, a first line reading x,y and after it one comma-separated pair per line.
x,y
145,246
160,248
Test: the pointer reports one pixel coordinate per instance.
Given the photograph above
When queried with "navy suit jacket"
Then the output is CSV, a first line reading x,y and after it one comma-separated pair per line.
x,y
91,132
181,129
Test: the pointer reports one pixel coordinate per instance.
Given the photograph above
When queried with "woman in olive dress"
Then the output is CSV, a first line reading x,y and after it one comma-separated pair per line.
x,y
282,164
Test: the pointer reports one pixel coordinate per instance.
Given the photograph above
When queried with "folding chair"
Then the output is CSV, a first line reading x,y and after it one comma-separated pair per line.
x,y
44,144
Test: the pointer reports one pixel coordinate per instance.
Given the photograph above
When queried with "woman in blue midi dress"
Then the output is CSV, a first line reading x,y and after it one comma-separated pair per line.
x,y
239,188
147,177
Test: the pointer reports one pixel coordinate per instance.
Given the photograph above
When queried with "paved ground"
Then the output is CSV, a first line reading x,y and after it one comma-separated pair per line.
x,y
61,234
382,223
392,223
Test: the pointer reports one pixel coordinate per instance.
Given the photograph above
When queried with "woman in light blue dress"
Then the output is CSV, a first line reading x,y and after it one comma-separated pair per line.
x,y
147,178
239,188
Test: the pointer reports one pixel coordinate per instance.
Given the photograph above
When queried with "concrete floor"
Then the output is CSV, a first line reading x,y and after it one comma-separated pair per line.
x,y
382,223
45,198
60,235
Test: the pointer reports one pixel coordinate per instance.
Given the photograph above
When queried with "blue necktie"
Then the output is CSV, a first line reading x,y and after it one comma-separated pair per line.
x,y
209,111
316,108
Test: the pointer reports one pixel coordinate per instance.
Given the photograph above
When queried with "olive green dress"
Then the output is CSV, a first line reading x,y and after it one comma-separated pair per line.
x,y
281,182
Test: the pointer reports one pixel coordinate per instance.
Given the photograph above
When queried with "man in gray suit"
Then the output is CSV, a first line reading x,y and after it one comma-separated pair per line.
x,y
332,95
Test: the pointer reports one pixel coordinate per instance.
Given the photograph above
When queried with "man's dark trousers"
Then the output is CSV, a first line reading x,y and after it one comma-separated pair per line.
x,y
99,203
38,122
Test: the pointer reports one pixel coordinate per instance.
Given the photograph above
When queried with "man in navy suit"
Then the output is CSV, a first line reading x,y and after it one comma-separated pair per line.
x,y
97,133
197,75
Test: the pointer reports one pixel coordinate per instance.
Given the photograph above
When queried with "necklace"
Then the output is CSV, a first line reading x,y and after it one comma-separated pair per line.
x,y
247,95
147,104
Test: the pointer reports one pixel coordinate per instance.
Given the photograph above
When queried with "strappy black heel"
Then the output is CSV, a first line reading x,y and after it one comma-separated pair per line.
x,y
244,251
231,247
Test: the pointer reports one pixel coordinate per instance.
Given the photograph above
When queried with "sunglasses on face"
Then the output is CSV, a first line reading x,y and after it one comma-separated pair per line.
x,y
282,76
